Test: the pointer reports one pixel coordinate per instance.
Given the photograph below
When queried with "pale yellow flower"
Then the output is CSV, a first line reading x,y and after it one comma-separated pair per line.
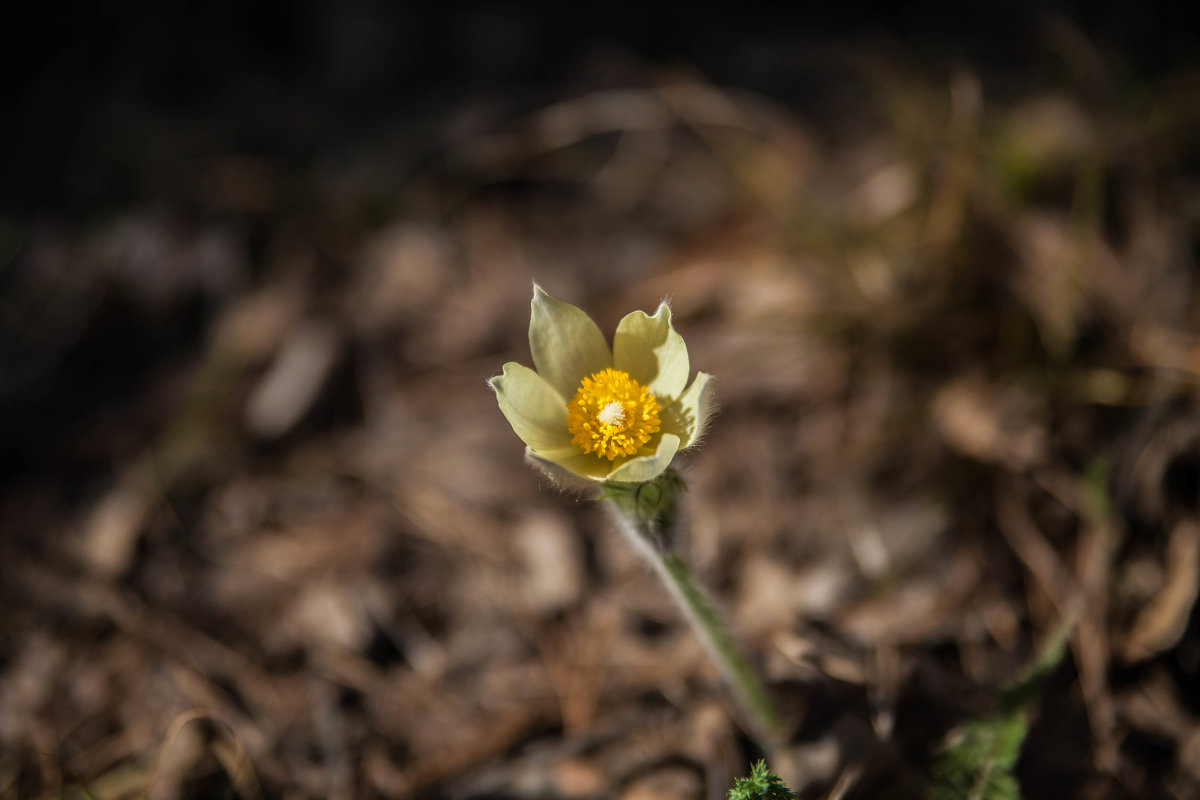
x,y
600,414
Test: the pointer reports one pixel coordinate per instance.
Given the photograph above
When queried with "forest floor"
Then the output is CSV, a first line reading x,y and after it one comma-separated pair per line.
x,y
268,534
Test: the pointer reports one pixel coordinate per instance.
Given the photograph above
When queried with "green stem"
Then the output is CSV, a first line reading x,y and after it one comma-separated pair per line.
x,y
647,513
712,630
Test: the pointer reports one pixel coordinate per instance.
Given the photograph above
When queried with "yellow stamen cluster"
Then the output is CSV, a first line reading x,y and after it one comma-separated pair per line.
x,y
612,415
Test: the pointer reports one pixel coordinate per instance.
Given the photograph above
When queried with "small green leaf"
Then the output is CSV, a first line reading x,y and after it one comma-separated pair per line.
x,y
979,764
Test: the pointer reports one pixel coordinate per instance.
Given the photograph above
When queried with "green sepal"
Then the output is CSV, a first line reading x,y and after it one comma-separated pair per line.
x,y
652,504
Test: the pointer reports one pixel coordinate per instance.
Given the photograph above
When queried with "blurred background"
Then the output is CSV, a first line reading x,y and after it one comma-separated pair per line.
x,y
267,535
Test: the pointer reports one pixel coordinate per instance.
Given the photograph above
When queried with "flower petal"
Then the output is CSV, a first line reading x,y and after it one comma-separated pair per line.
x,y
574,471
536,412
644,468
567,346
650,350
688,415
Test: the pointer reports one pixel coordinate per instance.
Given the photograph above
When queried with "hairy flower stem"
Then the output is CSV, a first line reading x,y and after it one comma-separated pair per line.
x,y
721,646
647,515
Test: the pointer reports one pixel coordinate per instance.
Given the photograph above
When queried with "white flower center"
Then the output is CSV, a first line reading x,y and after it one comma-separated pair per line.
x,y
612,414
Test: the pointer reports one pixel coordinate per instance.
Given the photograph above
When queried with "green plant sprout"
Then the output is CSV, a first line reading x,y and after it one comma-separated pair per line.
x,y
761,785
609,422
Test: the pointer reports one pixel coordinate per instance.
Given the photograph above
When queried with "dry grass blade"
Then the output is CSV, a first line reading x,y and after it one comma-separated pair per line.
x,y
1162,622
232,757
